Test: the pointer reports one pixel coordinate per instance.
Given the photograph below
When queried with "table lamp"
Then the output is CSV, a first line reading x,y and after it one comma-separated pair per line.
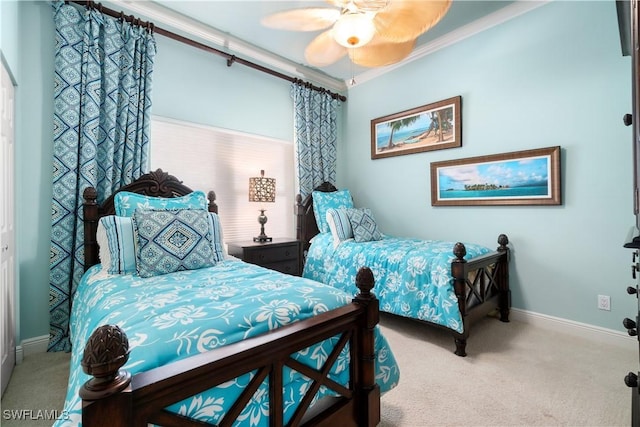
x,y
262,189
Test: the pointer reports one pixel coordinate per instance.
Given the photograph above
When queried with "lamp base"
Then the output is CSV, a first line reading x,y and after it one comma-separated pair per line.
x,y
262,219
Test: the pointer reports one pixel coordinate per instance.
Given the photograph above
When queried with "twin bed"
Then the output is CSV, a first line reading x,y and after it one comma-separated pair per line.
x,y
231,343
447,284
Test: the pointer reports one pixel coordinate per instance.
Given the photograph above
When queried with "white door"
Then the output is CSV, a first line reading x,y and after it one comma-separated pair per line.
x,y
7,235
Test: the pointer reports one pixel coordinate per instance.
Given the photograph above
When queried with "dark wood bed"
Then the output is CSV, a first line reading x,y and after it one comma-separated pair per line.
x,y
481,284
115,398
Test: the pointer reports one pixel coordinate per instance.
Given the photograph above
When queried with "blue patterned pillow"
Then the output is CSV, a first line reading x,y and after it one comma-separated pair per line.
x,y
173,240
339,225
322,201
364,225
116,242
216,236
126,203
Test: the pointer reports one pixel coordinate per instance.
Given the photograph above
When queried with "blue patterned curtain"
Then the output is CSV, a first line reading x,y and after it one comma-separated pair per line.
x,y
315,136
102,98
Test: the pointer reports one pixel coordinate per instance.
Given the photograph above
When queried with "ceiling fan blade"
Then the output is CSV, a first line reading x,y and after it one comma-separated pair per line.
x,y
306,19
404,20
324,50
378,52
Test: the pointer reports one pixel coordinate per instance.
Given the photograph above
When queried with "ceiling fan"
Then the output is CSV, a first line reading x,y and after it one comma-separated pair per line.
x,y
372,32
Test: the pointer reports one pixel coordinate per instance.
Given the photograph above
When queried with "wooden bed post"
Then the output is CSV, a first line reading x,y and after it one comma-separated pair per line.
x,y
90,216
104,396
459,285
299,217
503,274
368,405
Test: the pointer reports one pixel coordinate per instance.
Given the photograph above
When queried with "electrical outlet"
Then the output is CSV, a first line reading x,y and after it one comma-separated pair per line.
x,y
604,302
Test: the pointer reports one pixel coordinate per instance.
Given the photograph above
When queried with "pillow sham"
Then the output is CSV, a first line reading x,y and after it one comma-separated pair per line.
x,y
364,225
217,239
116,242
173,240
126,203
339,224
322,201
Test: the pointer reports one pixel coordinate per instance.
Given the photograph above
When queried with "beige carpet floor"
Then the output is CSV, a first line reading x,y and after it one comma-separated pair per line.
x,y
38,384
515,374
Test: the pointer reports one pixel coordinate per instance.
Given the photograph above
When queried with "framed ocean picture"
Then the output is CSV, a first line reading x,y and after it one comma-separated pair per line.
x,y
430,127
530,177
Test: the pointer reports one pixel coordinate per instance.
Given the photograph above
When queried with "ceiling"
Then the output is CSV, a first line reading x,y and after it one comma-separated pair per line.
x,y
235,26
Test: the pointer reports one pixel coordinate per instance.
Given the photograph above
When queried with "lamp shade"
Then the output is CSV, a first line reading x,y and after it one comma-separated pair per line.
x,y
262,189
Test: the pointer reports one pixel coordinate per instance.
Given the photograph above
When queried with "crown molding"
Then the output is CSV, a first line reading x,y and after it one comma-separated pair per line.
x,y
189,27
498,17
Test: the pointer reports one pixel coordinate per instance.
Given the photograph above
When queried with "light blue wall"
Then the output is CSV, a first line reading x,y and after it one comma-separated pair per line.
x,y
9,34
554,76
10,60
189,84
34,164
196,86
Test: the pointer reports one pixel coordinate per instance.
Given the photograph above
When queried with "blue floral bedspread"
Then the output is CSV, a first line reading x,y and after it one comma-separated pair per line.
x,y
412,276
172,316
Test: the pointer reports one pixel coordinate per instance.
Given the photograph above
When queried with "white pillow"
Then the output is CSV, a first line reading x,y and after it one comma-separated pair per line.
x,y
117,244
103,247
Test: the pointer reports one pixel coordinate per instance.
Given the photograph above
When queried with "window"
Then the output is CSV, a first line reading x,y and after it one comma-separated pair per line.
x,y
208,158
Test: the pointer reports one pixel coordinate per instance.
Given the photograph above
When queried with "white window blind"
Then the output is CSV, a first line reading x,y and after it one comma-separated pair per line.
x,y
208,158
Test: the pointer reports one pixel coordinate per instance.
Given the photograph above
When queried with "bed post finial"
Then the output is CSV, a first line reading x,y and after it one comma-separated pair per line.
x,y
459,250
213,206
104,354
365,281
90,195
105,400
503,241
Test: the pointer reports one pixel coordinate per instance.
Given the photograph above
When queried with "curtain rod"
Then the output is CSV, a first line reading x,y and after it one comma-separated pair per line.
x,y
231,59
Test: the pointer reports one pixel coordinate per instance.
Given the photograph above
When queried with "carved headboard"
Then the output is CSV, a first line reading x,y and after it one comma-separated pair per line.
x,y
306,226
157,184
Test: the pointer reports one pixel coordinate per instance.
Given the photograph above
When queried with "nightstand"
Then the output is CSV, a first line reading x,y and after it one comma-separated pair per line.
x,y
281,254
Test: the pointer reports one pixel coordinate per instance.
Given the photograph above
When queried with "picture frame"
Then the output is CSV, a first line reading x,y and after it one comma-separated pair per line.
x,y
434,126
530,177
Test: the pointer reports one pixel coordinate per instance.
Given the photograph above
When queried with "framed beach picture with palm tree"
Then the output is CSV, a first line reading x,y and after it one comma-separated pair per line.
x,y
430,127
530,177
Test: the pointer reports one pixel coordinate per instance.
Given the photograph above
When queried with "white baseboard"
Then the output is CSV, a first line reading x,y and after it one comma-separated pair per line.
x,y
31,346
596,333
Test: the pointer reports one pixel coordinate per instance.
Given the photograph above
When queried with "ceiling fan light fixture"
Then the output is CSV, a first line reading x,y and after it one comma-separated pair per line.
x,y
354,29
